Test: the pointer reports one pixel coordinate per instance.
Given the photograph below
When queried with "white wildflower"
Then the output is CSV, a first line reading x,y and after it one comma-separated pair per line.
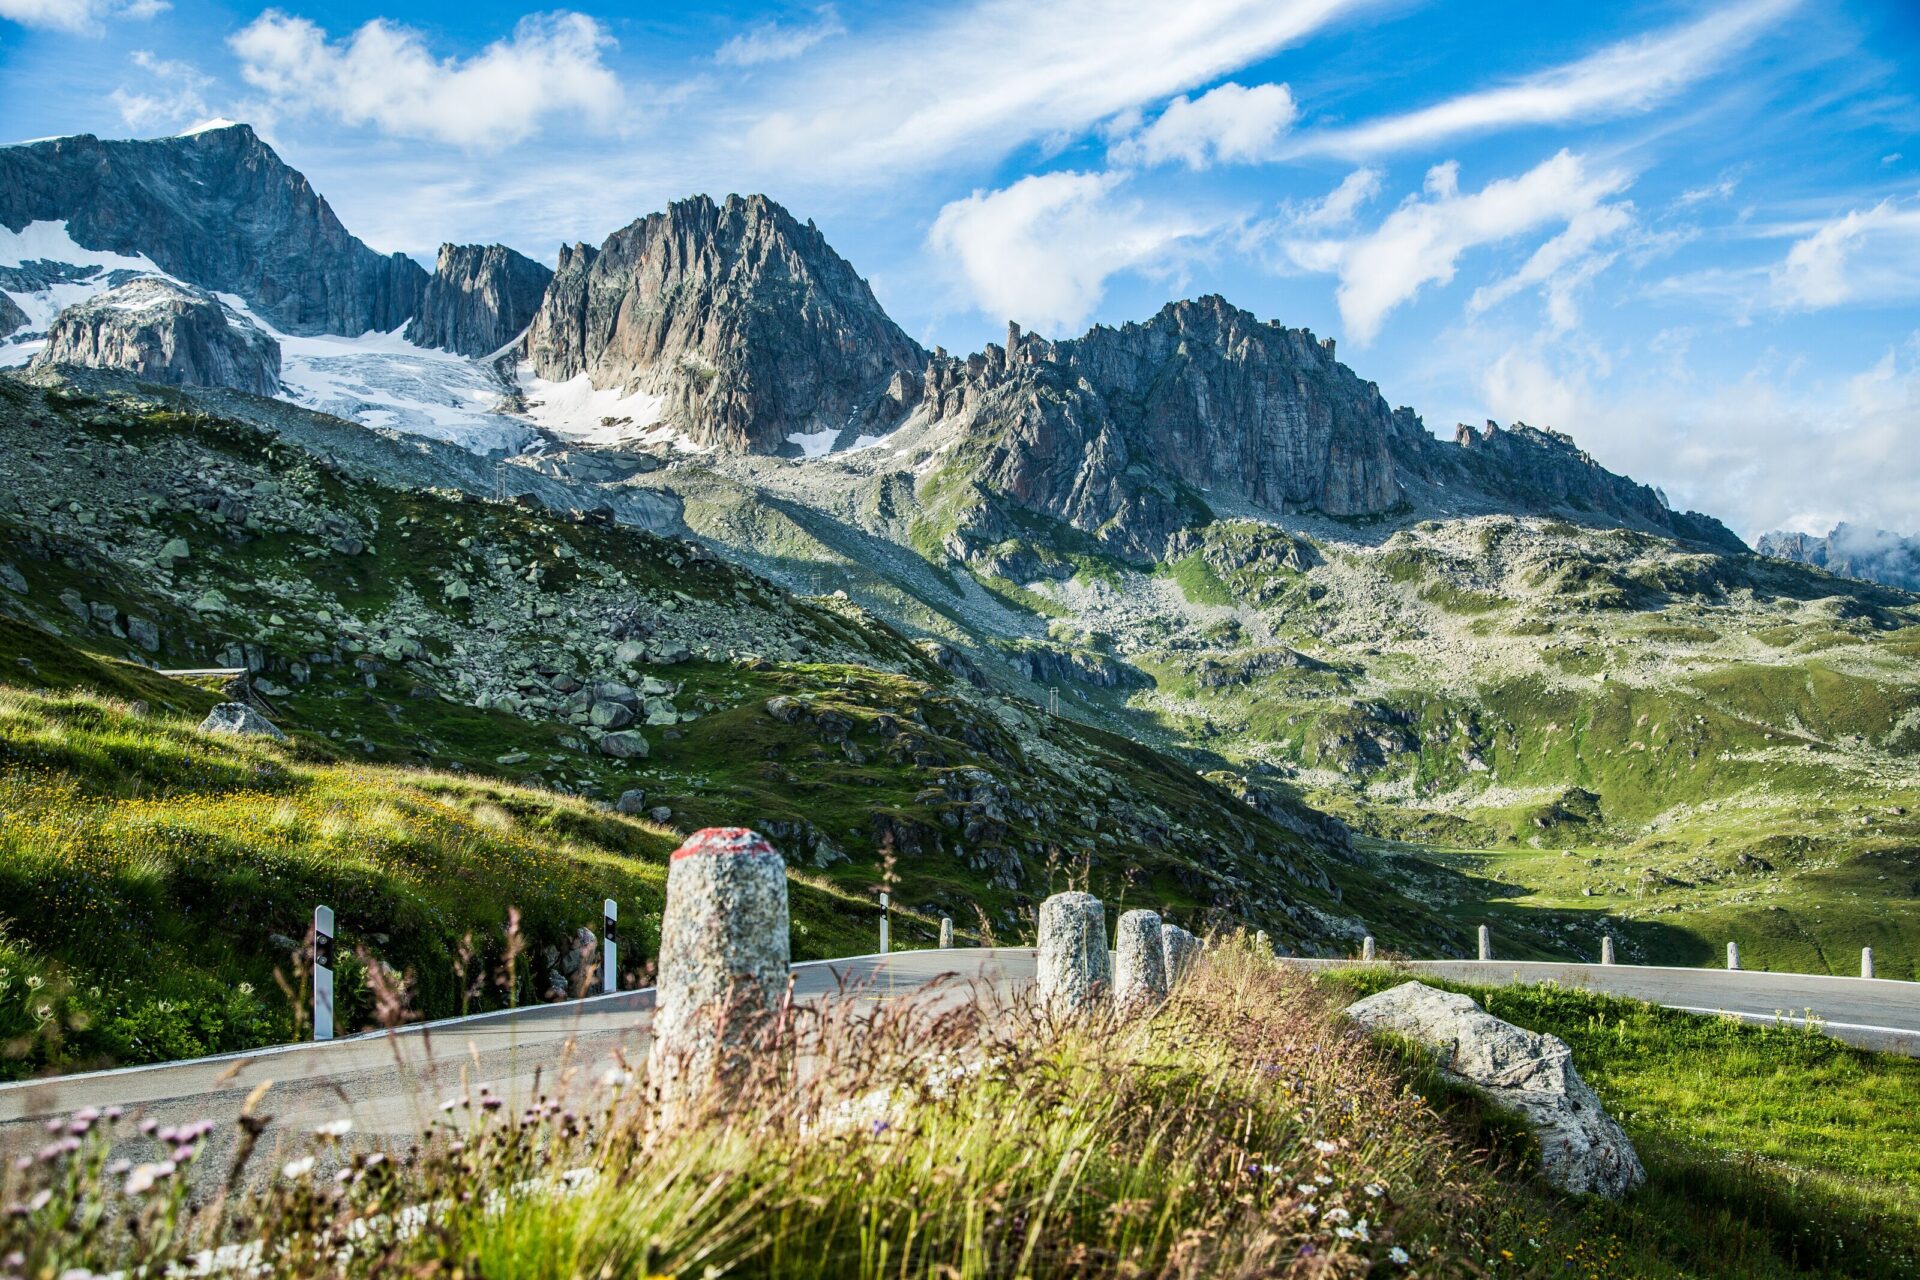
x,y
297,1168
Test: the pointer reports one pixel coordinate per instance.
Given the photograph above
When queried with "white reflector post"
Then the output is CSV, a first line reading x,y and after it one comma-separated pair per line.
x,y
323,973
609,945
883,922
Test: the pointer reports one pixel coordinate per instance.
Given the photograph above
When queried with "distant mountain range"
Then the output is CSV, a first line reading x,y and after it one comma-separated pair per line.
x,y
727,327
1872,554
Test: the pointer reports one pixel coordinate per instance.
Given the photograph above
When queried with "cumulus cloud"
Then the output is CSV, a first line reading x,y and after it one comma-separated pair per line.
x,y
82,17
175,93
1870,255
384,75
1422,241
979,79
777,42
1041,251
1631,76
1230,124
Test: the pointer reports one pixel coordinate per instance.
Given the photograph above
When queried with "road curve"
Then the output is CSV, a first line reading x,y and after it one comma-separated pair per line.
x,y
1873,1013
390,1083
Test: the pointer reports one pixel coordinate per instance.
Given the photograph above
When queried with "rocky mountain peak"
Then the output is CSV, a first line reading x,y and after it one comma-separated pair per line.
x,y
480,298
742,319
218,208
1852,551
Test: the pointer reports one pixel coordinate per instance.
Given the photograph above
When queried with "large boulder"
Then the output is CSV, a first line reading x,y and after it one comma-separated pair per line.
x,y
1581,1148
240,720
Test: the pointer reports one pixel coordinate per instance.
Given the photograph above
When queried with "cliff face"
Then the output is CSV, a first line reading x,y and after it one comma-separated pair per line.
x,y
220,209
748,324
165,332
1872,554
479,299
1123,433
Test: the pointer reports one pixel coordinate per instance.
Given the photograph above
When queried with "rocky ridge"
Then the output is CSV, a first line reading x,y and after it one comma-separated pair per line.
x,y
744,321
479,299
164,331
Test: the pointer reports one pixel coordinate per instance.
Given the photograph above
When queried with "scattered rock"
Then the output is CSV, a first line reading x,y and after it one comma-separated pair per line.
x,y
12,580
631,803
628,744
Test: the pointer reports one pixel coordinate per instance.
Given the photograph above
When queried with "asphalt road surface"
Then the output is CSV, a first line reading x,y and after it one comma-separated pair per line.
x,y
390,1084
1874,1013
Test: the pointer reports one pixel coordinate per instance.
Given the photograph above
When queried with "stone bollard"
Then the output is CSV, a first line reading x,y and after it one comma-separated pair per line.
x,y
946,933
1606,948
1266,947
1733,955
1366,948
1075,974
1866,962
1140,977
1180,950
1486,943
723,963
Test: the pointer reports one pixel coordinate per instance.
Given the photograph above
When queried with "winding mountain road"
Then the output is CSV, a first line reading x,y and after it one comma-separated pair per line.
x,y
391,1084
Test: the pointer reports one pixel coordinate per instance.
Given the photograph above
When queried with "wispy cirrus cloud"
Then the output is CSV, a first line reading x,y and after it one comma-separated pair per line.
x,y
81,17
983,79
778,41
1623,78
384,75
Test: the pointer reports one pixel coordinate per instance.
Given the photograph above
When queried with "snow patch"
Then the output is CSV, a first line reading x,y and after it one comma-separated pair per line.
x,y
579,412
814,444
91,272
207,126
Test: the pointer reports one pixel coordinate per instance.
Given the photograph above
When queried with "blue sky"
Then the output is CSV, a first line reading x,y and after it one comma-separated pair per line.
x,y
1686,232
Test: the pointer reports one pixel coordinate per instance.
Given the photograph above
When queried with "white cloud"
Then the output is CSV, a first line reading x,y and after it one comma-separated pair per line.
x,y
175,95
981,79
1631,76
773,42
1230,124
1774,449
1042,250
82,17
1421,242
1720,190
1869,255
383,75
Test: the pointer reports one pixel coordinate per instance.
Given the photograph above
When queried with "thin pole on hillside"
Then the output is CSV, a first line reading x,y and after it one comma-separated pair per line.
x,y
609,946
323,973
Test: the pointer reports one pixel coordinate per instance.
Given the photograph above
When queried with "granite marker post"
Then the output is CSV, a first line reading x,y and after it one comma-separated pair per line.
x,y
1075,974
1140,978
723,964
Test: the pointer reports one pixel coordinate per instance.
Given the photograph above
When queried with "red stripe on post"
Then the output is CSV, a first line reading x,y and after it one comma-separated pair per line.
x,y
724,842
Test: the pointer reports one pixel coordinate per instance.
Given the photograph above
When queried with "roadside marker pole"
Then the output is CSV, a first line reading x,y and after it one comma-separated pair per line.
x,y
1366,948
1866,962
1733,956
609,945
1606,948
323,973
1486,943
946,933
883,922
